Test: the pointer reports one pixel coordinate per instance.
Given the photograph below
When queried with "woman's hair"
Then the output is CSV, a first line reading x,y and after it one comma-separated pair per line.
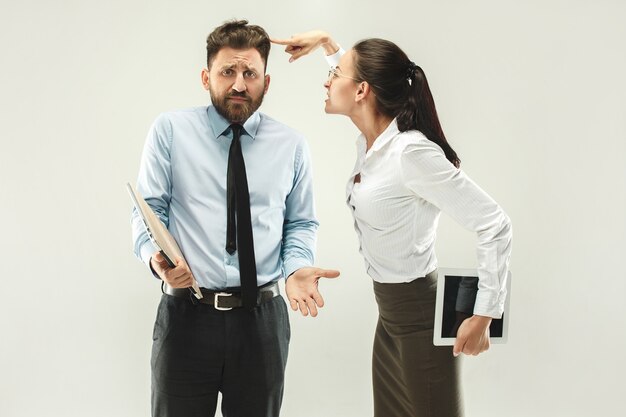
x,y
401,90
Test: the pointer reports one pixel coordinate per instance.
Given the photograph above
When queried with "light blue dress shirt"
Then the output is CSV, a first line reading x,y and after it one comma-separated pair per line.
x,y
183,178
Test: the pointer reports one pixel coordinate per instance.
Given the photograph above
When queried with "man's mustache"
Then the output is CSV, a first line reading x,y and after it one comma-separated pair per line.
x,y
242,94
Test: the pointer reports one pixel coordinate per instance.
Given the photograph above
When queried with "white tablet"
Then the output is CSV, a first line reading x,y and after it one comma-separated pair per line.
x,y
456,294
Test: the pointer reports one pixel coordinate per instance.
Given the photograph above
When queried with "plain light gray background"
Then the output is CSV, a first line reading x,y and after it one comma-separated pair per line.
x,y
531,95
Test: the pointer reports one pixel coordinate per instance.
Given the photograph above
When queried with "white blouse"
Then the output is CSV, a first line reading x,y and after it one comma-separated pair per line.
x,y
405,183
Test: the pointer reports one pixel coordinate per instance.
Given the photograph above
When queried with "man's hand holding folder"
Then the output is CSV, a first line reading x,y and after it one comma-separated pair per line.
x,y
178,277
168,262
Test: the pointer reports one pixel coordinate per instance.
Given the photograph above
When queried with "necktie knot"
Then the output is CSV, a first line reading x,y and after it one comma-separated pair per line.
x,y
236,128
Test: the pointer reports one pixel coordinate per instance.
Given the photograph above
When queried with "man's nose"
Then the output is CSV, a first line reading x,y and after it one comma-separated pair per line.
x,y
240,84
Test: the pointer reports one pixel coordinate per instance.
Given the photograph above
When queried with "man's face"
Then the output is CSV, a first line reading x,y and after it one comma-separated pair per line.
x,y
236,82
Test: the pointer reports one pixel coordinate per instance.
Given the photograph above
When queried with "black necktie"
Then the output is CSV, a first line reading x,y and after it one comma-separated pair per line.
x,y
239,231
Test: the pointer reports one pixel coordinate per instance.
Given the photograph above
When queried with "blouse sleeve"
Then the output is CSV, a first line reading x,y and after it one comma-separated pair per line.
x,y
333,60
427,173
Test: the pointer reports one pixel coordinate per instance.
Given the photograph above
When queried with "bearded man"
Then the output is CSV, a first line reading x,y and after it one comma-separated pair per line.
x,y
233,186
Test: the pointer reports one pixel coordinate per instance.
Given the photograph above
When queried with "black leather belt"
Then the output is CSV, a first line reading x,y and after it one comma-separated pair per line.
x,y
224,300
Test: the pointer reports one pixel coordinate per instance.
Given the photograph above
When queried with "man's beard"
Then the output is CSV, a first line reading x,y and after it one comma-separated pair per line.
x,y
236,112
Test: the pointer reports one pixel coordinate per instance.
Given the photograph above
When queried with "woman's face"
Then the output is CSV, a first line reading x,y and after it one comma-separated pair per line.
x,y
342,86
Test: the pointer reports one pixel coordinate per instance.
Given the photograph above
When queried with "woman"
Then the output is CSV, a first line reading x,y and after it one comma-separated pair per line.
x,y
406,173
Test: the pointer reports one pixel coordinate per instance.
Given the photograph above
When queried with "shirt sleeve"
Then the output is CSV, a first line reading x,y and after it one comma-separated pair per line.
x,y
300,226
428,173
154,184
333,60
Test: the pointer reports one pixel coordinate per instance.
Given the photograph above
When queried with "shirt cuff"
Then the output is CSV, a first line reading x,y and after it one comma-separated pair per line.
x,y
489,306
333,60
292,265
146,252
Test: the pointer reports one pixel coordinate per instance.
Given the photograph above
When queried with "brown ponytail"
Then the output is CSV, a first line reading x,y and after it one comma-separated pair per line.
x,y
401,90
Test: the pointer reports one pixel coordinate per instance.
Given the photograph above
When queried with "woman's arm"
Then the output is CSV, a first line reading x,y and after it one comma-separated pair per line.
x,y
304,43
428,173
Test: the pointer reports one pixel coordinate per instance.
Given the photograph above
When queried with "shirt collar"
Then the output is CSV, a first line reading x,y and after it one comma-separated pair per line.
x,y
220,125
385,137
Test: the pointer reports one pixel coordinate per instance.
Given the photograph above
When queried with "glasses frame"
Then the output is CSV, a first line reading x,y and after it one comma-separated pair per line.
x,y
334,73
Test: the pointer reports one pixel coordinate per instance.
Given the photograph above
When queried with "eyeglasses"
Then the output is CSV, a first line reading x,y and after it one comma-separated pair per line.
x,y
334,73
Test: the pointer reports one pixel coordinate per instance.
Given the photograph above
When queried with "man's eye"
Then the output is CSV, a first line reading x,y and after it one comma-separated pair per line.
x,y
250,74
227,72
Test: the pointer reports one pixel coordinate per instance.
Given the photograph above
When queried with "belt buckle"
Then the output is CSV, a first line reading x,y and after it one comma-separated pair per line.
x,y
216,301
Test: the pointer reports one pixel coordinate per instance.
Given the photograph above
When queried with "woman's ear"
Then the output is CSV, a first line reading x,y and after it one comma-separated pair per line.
x,y
362,92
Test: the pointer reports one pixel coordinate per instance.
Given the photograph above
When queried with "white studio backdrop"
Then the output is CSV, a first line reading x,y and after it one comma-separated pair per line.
x,y
530,94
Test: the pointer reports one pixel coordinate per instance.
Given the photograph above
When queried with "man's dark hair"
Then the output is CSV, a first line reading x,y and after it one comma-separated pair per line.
x,y
238,34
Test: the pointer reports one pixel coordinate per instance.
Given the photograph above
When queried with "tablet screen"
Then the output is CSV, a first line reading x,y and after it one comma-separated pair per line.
x,y
456,295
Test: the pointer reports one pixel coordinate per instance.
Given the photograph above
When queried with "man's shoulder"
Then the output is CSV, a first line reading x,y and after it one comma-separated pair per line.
x,y
185,114
270,124
180,123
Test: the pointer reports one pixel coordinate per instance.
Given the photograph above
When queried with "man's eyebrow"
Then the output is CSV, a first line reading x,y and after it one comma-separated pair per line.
x,y
230,65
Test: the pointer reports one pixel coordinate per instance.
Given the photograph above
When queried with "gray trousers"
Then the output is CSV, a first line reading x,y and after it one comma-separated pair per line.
x,y
198,351
411,376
